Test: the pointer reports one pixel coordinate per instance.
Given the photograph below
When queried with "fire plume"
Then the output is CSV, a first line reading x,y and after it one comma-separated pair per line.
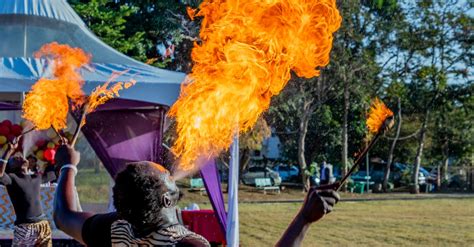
x,y
103,93
47,105
248,51
378,113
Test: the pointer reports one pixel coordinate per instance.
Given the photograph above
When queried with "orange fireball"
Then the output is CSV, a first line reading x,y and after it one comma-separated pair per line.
x,y
47,105
378,113
248,51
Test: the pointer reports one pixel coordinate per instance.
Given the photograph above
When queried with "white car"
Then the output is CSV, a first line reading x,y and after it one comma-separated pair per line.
x,y
249,176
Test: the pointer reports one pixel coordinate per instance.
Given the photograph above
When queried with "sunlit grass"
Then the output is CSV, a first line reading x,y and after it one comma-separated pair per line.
x,y
93,187
445,222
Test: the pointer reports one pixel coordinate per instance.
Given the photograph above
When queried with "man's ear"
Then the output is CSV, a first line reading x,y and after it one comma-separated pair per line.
x,y
166,201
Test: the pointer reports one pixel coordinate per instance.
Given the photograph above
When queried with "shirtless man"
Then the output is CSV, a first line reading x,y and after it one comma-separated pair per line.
x,y
23,187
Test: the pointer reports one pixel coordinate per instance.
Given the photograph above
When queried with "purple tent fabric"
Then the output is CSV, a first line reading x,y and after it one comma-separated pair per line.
x,y
123,131
210,175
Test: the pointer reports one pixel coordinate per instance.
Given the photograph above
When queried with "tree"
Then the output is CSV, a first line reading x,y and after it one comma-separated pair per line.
x,y
108,21
436,54
352,67
157,32
252,141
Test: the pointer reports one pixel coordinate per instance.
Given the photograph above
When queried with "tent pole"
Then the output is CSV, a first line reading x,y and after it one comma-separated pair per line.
x,y
25,37
232,235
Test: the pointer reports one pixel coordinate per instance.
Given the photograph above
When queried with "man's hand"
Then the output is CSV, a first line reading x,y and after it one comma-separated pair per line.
x,y
12,147
67,155
317,204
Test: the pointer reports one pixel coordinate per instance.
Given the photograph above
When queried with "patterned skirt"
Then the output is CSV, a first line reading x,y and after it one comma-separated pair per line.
x,y
33,234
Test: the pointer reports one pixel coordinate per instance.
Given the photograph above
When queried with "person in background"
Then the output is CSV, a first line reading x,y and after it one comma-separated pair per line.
x,y
33,166
145,196
23,187
327,176
313,173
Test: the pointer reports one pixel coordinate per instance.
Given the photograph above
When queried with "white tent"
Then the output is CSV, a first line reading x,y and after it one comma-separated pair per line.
x,y
26,25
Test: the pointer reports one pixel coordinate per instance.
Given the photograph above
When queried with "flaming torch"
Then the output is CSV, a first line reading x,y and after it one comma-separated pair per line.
x,y
379,120
47,105
99,96
51,99
246,56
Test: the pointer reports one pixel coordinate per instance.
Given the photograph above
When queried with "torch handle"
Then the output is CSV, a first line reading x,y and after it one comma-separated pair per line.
x,y
360,158
28,131
79,125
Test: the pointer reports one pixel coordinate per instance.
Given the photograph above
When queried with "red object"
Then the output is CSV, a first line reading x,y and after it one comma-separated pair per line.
x,y
40,143
7,123
16,129
204,223
49,154
4,130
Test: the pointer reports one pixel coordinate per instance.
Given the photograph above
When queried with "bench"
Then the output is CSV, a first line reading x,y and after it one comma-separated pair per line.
x,y
265,184
359,186
196,184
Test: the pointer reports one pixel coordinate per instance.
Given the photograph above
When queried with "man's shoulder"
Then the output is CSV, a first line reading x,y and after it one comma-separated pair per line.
x,y
96,229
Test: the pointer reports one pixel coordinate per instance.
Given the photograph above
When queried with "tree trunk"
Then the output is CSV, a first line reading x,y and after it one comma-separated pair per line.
x,y
392,148
445,169
419,153
344,133
303,130
445,161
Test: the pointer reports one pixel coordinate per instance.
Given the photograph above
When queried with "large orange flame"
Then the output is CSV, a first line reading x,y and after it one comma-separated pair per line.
x,y
247,53
47,105
378,113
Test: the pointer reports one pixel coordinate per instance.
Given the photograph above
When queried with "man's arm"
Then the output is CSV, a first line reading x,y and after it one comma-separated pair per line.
x,y
66,217
316,205
4,178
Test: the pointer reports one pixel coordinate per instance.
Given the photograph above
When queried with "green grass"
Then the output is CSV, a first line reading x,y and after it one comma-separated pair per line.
x,y
445,222
93,187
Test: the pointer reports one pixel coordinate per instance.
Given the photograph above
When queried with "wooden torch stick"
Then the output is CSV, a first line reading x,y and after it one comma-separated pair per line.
x,y
28,131
360,158
79,124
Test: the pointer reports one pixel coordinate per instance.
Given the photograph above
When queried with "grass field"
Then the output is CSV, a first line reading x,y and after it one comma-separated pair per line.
x,y
444,222
93,187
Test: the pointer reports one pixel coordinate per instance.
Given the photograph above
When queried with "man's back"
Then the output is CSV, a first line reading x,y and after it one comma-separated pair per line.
x,y
110,230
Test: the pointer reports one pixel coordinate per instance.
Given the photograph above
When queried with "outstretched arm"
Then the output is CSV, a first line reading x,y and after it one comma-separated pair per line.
x,y
66,217
3,162
316,205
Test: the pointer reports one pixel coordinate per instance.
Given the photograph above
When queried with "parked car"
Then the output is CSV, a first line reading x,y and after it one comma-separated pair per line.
x,y
397,172
287,173
249,176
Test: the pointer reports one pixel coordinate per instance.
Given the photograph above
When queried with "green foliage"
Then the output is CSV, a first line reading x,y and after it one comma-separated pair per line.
x,y
136,28
108,21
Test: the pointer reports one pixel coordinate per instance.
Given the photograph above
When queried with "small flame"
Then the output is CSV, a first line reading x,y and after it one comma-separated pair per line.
x,y
102,94
47,105
378,113
248,51
191,13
